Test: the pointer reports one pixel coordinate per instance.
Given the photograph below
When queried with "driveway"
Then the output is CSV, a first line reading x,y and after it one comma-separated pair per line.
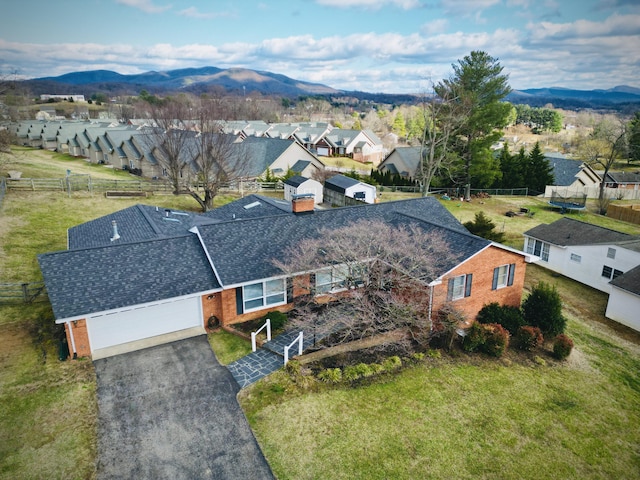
x,y
170,412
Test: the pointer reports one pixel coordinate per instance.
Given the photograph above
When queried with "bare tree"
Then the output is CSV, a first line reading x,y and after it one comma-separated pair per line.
x,y
444,116
168,139
606,144
218,159
376,273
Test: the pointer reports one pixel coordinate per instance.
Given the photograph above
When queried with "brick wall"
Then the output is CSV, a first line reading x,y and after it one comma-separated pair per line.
x,y
80,337
481,266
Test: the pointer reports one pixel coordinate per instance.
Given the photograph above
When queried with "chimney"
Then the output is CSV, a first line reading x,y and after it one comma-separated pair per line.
x,y
304,203
115,231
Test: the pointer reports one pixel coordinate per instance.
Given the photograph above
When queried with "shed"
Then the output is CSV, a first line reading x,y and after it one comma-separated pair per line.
x,y
299,185
339,186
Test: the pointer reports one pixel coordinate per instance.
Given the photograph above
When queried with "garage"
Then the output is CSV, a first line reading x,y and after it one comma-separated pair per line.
x,y
138,327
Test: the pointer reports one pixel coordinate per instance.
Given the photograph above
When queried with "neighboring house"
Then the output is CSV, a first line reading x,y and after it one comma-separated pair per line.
x,y
146,275
361,145
403,161
624,299
278,156
572,177
298,185
586,253
339,186
623,180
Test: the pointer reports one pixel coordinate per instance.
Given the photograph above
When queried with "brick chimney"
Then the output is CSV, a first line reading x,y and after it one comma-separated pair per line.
x,y
303,203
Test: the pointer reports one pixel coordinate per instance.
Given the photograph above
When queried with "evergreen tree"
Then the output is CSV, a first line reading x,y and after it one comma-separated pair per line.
x,y
479,84
634,138
512,169
539,172
484,227
543,309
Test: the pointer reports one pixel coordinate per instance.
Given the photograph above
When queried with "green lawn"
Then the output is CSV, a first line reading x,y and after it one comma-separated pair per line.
x,y
467,416
455,417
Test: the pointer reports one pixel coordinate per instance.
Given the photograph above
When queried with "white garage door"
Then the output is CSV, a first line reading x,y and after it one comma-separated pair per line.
x,y
323,151
140,323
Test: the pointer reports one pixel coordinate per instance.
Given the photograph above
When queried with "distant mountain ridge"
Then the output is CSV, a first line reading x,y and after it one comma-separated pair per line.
x,y
244,80
190,79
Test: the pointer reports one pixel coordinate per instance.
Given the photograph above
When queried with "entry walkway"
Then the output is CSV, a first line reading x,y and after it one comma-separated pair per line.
x,y
270,357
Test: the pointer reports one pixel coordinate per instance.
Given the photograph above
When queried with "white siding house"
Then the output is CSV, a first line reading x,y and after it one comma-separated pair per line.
x,y
624,299
586,253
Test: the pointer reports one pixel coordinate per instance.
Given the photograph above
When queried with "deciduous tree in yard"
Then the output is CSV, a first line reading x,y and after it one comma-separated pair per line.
x,y
383,268
606,144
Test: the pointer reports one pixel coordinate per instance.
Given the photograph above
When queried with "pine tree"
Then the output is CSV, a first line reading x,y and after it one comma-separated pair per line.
x,y
539,172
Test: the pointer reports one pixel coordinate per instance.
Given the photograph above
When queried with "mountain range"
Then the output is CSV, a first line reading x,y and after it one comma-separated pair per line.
x,y
242,80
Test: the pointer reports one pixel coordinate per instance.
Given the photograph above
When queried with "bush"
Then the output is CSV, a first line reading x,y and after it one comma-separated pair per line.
x,y
351,373
330,375
509,317
562,346
529,338
484,227
496,340
278,319
474,338
543,309
392,363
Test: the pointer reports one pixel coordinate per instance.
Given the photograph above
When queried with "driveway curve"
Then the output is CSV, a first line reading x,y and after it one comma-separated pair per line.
x,y
171,412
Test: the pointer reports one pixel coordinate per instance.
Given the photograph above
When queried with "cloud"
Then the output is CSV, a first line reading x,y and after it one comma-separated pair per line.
x,y
371,4
435,26
146,6
193,12
615,25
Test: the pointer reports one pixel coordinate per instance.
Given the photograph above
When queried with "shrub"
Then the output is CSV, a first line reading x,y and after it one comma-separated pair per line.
x,y
432,353
496,339
278,319
351,373
543,309
330,375
509,317
529,338
376,368
484,227
293,367
474,338
392,363
562,346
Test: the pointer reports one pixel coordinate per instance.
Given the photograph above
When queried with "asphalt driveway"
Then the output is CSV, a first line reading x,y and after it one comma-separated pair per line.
x,y
170,412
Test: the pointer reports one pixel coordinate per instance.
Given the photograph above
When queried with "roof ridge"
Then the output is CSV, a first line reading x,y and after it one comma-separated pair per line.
x,y
600,227
464,232
148,218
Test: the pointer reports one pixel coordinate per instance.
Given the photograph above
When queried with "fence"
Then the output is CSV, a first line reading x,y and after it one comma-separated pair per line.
x,y
84,183
22,292
626,213
3,189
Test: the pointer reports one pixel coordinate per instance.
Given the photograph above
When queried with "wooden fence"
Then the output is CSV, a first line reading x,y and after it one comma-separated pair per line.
x,y
84,183
22,292
626,213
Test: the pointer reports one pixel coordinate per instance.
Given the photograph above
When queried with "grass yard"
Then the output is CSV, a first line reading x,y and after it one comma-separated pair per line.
x,y
467,416
458,416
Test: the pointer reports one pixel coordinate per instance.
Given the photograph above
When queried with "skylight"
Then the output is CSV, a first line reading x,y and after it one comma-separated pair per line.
x,y
251,205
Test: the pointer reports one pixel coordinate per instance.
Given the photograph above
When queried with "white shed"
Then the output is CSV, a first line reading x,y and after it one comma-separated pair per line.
x,y
299,185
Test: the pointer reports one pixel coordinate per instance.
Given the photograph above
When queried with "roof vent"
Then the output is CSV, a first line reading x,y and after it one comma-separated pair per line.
x,y
115,231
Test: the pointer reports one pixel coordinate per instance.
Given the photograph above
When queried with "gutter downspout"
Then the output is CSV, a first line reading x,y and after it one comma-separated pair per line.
x,y
73,340
431,286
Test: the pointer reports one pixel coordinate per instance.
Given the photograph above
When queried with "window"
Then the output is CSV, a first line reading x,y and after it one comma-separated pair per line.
x,y
538,248
576,258
503,276
611,253
262,294
611,273
331,280
459,287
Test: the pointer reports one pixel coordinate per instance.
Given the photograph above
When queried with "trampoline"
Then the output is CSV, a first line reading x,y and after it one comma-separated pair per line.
x,y
569,202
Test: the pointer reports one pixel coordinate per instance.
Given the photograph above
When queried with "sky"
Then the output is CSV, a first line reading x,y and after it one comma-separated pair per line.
x,y
377,46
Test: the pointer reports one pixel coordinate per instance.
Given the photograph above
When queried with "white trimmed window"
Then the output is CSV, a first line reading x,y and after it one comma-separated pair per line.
x,y
264,294
331,280
538,248
459,287
503,276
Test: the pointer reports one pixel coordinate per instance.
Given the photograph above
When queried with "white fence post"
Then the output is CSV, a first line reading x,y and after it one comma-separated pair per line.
x,y
286,349
254,334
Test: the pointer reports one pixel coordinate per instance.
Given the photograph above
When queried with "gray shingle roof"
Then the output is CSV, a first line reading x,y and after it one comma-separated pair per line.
x,y
135,224
244,250
624,177
296,180
116,276
567,231
157,258
564,170
340,183
629,281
